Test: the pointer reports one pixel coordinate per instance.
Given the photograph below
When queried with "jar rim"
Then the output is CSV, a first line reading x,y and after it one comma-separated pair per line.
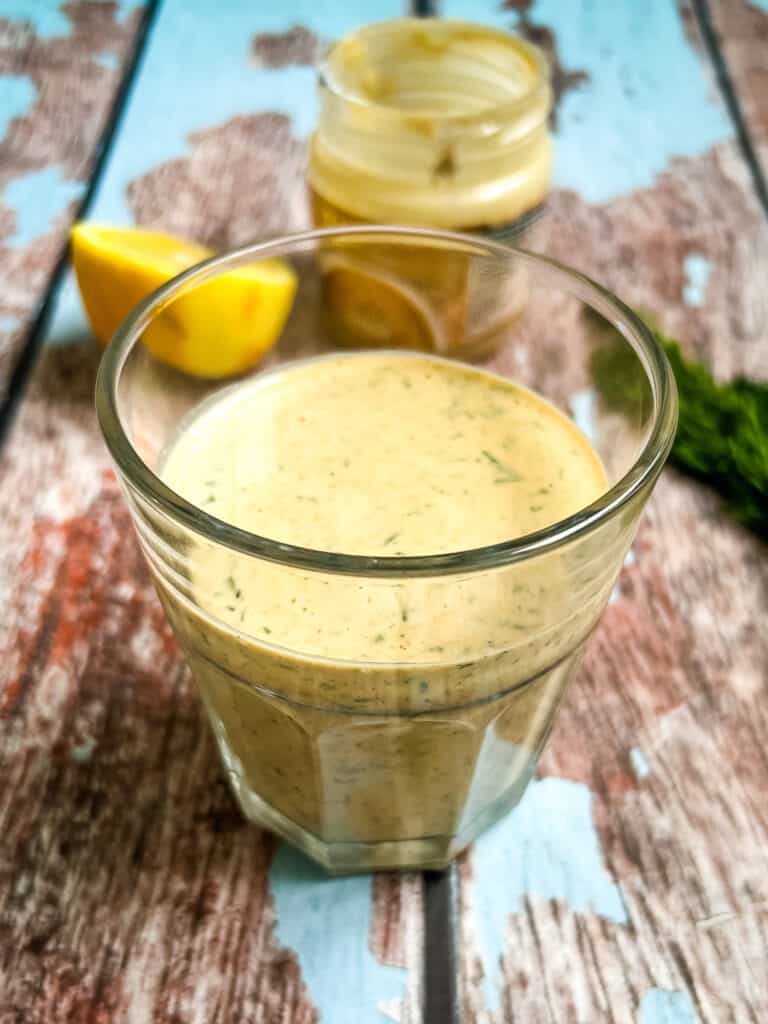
x,y
540,81
160,496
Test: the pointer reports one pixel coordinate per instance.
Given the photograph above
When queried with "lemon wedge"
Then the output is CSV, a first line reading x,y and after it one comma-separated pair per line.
x,y
218,329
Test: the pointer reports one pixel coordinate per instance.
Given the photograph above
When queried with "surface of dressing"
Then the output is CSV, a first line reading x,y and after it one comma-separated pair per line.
x,y
391,710
375,454
385,454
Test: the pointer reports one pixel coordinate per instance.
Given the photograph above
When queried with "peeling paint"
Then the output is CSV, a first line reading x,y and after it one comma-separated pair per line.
x,y
48,18
83,752
697,271
45,16
9,323
583,413
107,60
629,560
17,94
326,921
548,848
639,763
37,198
660,1006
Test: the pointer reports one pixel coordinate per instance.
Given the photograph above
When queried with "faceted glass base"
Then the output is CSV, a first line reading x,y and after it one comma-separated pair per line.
x,y
431,853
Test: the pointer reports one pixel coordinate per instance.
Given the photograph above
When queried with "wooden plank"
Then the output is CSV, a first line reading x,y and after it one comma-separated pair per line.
x,y
130,889
59,73
741,28
629,886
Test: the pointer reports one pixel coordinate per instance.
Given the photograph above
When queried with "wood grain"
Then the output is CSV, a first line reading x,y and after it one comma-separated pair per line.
x,y
664,732
48,150
130,888
128,878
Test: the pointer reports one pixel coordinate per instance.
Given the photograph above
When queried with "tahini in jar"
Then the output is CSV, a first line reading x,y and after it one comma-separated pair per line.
x,y
437,123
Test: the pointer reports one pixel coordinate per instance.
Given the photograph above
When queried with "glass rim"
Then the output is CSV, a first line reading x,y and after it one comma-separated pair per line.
x,y
160,496
328,78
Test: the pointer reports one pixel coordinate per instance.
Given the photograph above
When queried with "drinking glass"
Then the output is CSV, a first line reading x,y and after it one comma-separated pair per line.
x,y
365,764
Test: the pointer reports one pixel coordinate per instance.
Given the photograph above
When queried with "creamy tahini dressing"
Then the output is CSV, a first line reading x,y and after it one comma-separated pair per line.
x,y
376,454
382,454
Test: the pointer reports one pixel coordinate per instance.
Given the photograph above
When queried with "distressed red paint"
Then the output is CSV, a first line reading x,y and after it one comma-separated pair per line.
x,y
121,846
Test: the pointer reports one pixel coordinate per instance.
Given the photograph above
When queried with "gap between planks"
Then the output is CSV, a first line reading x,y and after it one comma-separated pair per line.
x,y
441,1004
425,8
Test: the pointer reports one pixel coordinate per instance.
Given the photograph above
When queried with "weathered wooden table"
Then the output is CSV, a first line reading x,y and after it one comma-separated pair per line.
x,y
631,885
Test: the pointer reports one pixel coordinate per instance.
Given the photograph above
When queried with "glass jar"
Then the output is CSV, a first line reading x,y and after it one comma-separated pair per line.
x,y
399,762
431,122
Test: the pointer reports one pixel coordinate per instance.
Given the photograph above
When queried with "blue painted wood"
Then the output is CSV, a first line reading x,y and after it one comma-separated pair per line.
x,y
47,17
61,67
39,197
17,94
548,849
662,1007
327,923
216,81
647,97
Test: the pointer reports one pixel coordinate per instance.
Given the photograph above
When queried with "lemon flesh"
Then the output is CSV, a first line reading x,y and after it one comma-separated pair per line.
x,y
218,329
